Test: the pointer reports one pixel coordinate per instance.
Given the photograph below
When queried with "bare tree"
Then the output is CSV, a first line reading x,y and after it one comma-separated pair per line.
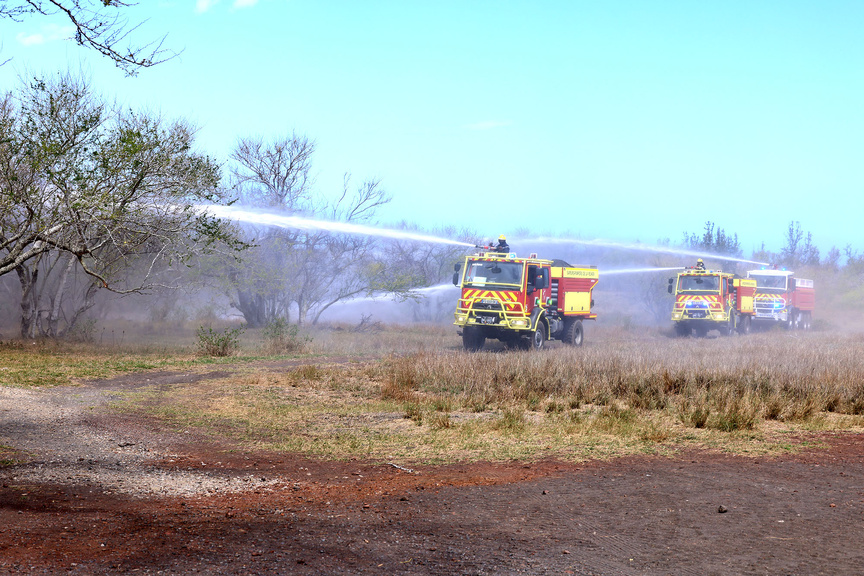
x,y
274,174
269,175
100,25
330,268
302,270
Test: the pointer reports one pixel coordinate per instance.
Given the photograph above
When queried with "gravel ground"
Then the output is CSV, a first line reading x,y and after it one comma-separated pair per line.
x,y
59,433
101,493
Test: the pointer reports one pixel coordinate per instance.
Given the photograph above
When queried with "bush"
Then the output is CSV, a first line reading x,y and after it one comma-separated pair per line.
x,y
282,337
220,344
82,331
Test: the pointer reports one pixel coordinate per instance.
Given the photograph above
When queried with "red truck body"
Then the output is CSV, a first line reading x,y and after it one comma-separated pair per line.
x,y
781,298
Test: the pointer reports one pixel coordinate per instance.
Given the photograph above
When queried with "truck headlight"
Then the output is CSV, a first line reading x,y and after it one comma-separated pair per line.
x,y
519,322
717,316
461,317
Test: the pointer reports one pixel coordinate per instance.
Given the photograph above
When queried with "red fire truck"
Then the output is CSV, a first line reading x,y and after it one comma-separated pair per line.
x,y
522,302
781,298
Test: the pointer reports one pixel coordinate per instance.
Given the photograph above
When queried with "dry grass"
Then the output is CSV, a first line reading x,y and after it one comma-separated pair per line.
x,y
622,393
412,394
725,384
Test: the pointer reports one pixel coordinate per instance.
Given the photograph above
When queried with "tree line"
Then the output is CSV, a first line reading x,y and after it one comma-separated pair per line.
x,y
95,198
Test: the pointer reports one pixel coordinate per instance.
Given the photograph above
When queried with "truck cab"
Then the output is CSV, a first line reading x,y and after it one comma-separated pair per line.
x,y
711,300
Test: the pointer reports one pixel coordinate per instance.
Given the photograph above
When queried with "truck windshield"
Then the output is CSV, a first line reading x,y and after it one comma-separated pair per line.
x,y
493,274
769,281
699,283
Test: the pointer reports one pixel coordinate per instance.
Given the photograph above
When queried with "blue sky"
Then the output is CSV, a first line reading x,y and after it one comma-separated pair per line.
x,y
619,120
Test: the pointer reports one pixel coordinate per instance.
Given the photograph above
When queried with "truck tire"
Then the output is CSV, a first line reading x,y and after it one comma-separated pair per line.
x,y
574,333
536,339
472,339
744,325
731,325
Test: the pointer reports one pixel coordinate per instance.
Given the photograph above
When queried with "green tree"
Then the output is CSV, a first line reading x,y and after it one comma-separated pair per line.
x,y
714,240
89,189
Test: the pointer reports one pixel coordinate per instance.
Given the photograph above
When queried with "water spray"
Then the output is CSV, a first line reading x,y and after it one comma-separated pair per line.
x,y
644,248
299,223
423,292
640,270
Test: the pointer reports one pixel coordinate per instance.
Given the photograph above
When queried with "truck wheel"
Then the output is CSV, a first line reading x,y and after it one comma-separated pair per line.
x,y
682,330
744,325
536,339
472,339
807,321
573,333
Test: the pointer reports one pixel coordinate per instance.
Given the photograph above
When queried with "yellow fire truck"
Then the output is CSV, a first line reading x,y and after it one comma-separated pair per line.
x,y
522,302
711,299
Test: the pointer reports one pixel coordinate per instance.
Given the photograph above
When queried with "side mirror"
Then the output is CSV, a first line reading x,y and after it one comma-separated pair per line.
x,y
457,267
541,282
671,280
669,288
455,278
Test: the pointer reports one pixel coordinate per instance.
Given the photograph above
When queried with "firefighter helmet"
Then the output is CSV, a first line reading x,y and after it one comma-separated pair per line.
x,y
502,237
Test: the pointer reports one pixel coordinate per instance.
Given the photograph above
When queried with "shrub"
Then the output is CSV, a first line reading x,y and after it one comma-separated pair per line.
x,y
83,331
219,344
282,337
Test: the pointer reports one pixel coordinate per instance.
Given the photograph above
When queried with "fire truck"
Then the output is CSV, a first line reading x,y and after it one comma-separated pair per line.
x,y
522,302
783,299
711,299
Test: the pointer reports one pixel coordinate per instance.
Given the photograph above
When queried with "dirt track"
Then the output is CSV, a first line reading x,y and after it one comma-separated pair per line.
x,y
102,494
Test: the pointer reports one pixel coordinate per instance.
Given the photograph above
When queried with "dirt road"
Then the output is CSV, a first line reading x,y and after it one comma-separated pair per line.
x,y
94,493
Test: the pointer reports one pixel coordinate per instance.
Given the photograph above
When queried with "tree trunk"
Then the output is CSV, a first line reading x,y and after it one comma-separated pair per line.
x,y
29,309
253,307
53,320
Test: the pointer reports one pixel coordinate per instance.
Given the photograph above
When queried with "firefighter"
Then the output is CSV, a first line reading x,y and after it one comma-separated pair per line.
x,y
700,265
502,247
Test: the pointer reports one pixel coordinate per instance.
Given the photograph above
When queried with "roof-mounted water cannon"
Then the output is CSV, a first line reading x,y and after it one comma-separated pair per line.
x,y
501,248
